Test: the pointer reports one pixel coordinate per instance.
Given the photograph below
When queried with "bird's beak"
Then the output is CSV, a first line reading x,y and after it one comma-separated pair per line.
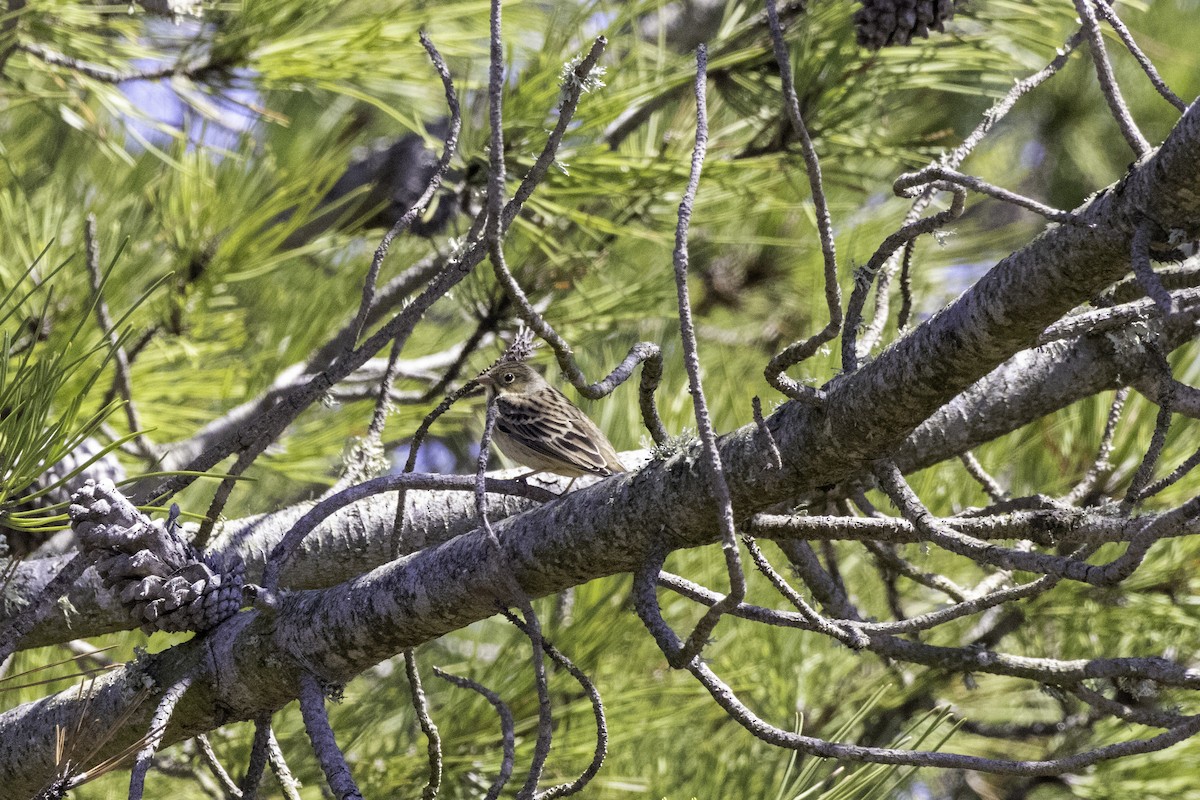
x,y
486,380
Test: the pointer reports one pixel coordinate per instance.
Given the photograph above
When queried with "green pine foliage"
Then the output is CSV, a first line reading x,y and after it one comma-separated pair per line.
x,y
205,262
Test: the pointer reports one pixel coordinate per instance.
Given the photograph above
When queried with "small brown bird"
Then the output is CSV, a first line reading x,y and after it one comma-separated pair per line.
x,y
538,427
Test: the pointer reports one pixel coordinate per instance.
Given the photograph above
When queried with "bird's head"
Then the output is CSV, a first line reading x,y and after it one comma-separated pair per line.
x,y
511,379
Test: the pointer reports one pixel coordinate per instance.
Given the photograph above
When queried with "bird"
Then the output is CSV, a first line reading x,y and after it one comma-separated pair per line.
x,y
538,427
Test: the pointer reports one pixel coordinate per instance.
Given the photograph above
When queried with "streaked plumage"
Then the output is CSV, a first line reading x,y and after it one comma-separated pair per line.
x,y
538,427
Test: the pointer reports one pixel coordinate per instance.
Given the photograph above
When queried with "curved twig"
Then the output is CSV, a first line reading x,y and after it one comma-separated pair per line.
x,y
795,353
955,157
1108,82
329,755
864,277
648,610
507,728
909,181
158,725
589,688
227,784
435,182
1109,15
259,756
421,707
691,361
99,72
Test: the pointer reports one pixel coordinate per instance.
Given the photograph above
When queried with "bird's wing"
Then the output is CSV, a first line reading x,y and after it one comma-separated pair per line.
x,y
550,425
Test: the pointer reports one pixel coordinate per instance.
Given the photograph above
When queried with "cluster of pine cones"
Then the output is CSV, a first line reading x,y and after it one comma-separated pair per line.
x,y
881,23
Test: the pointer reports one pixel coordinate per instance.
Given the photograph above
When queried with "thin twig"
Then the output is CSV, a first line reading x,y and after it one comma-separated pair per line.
x,y
1124,565
496,166
259,755
1108,82
100,72
589,688
227,784
1183,469
795,353
1110,16
421,707
541,747
329,755
827,591
1001,107
691,361
990,485
507,729
864,277
775,460
1101,467
580,79
418,438
374,435
158,726
885,553
907,183
287,782
391,295
435,182
845,634
1144,271
901,566
121,381
974,605
487,325
1024,732
1141,716
224,489
370,446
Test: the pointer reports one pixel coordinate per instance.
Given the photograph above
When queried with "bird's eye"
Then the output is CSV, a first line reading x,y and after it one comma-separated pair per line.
x,y
508,377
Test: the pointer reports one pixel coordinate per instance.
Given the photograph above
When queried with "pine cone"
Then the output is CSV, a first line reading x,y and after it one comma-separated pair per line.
x,y
164,582
882,23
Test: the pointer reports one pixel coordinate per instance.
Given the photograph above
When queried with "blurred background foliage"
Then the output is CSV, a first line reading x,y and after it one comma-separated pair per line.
x,y
206,183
